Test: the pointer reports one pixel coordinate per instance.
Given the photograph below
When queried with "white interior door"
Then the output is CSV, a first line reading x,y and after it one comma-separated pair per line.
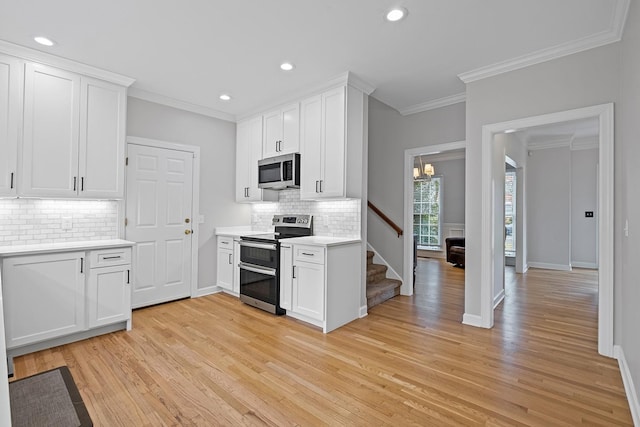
x,y
159,220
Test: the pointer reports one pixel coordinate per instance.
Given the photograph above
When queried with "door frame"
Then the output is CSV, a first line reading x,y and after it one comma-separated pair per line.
x,y
195,198
604,112
409,154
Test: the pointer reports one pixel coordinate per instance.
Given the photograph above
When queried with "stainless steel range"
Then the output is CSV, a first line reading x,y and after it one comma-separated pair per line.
x,y
260,261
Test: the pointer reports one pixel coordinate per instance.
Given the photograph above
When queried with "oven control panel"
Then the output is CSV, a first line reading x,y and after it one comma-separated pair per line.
x,y
292,220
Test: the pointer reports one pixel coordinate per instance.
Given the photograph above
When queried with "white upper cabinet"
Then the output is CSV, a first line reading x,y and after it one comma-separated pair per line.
x,y
51,128
281,131
323,146
74,135
248,152
11,75
102,139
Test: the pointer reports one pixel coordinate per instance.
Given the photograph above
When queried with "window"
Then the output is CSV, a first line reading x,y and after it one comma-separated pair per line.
x,y
509,213
427,202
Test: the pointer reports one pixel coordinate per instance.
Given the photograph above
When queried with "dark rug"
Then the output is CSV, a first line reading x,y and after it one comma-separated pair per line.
x,y
48,399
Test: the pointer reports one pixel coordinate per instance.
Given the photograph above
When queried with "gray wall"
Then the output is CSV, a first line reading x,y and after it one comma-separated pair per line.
x,y
549,214
216,139
584,197
390,134
628,198
579,80
452,172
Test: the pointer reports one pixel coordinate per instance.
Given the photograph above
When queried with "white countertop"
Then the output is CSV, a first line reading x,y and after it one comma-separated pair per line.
x,y
237,231
321,240
63,247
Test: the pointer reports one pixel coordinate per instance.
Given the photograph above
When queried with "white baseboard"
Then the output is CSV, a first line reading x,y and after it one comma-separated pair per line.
x,y
377,258
472,320
363,311
207,291
548,266
589,265
629,388
498,299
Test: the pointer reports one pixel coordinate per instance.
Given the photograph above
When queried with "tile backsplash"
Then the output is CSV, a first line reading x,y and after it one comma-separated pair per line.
x,y
35,221
334,218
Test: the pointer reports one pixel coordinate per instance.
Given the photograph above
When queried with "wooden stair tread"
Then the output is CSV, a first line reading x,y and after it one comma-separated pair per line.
x,y
382,286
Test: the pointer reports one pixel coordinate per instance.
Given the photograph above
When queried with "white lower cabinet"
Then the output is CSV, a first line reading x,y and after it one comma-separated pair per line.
x,y
109,288
44,296
60,297
225,263
286,276
308,289
324,282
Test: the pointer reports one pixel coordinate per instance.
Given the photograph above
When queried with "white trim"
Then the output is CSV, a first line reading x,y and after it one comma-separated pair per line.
x,y
629,388
195,201
434,104
498,299
604,113
589,265
549,266
443,157
208,290
550,142
180,105
378,259
472,320
343,79
409,154
363,311
66,64
589,42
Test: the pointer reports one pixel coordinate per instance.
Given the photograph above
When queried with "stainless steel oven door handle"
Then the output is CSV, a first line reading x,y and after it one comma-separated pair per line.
x,y
259,270
270,246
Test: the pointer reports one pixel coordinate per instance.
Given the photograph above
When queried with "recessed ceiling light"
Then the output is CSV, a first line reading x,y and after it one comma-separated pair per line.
x,y
225,97
287,66
44,41
396,14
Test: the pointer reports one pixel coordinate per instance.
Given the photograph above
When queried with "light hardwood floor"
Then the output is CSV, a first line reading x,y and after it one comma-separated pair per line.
x,y
215,361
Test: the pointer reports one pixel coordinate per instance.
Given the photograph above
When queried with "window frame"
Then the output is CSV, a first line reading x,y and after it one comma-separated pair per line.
x,y
440,245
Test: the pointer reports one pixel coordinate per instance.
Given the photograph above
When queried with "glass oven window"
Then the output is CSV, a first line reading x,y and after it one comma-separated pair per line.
x,y
259,256
259,286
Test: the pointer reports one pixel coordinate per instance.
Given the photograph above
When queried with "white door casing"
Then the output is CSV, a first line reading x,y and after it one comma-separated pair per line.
x,y
160,221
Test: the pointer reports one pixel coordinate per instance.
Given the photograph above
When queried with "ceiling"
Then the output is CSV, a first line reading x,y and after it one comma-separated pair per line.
x,y
192,51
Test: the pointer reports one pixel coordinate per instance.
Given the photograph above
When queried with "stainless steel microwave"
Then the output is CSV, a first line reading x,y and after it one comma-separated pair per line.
x,y
280,172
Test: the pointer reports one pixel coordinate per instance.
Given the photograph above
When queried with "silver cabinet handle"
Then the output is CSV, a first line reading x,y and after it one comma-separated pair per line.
x,y
111,257
11,180
230,258
128,274
307,254
293,272
317,186
82,183
321,186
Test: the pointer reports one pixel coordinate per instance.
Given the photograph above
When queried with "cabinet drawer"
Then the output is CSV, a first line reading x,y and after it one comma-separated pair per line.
x,y
314,254
106,257
225,242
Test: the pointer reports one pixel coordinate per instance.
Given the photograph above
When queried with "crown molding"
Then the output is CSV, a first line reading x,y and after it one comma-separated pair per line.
x,y
29,54
180,105
445,156
346,78
585,143
549,142
434,104
596,40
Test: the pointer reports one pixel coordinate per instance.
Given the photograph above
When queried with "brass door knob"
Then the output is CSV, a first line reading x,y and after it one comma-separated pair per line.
x,y
187,231
187,220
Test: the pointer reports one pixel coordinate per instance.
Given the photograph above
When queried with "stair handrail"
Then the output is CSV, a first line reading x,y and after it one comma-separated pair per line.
x,y
385,218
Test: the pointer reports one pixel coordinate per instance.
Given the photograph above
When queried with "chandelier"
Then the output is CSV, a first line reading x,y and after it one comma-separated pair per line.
x,y
424,172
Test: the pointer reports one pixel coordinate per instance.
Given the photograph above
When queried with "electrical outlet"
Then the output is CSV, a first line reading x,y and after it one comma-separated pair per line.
x,y
67,224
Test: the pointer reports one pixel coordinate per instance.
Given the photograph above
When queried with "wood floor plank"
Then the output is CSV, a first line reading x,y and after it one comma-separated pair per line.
x,y
215,361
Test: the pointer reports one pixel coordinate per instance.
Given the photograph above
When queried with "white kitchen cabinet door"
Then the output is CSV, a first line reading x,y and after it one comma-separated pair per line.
x,y
225,269
49,164
11,82
332,181
102,139
44,297
310,147
109,295
308,290
281,131
248,152
286,276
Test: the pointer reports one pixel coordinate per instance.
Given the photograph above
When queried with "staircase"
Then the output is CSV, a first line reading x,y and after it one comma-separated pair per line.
x,y
379,288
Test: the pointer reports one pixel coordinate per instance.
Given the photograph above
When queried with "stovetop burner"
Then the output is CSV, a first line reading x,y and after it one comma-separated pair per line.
x,y
286,226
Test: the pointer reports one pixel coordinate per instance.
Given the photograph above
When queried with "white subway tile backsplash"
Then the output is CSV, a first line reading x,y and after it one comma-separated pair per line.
x,y
32,221
335,218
